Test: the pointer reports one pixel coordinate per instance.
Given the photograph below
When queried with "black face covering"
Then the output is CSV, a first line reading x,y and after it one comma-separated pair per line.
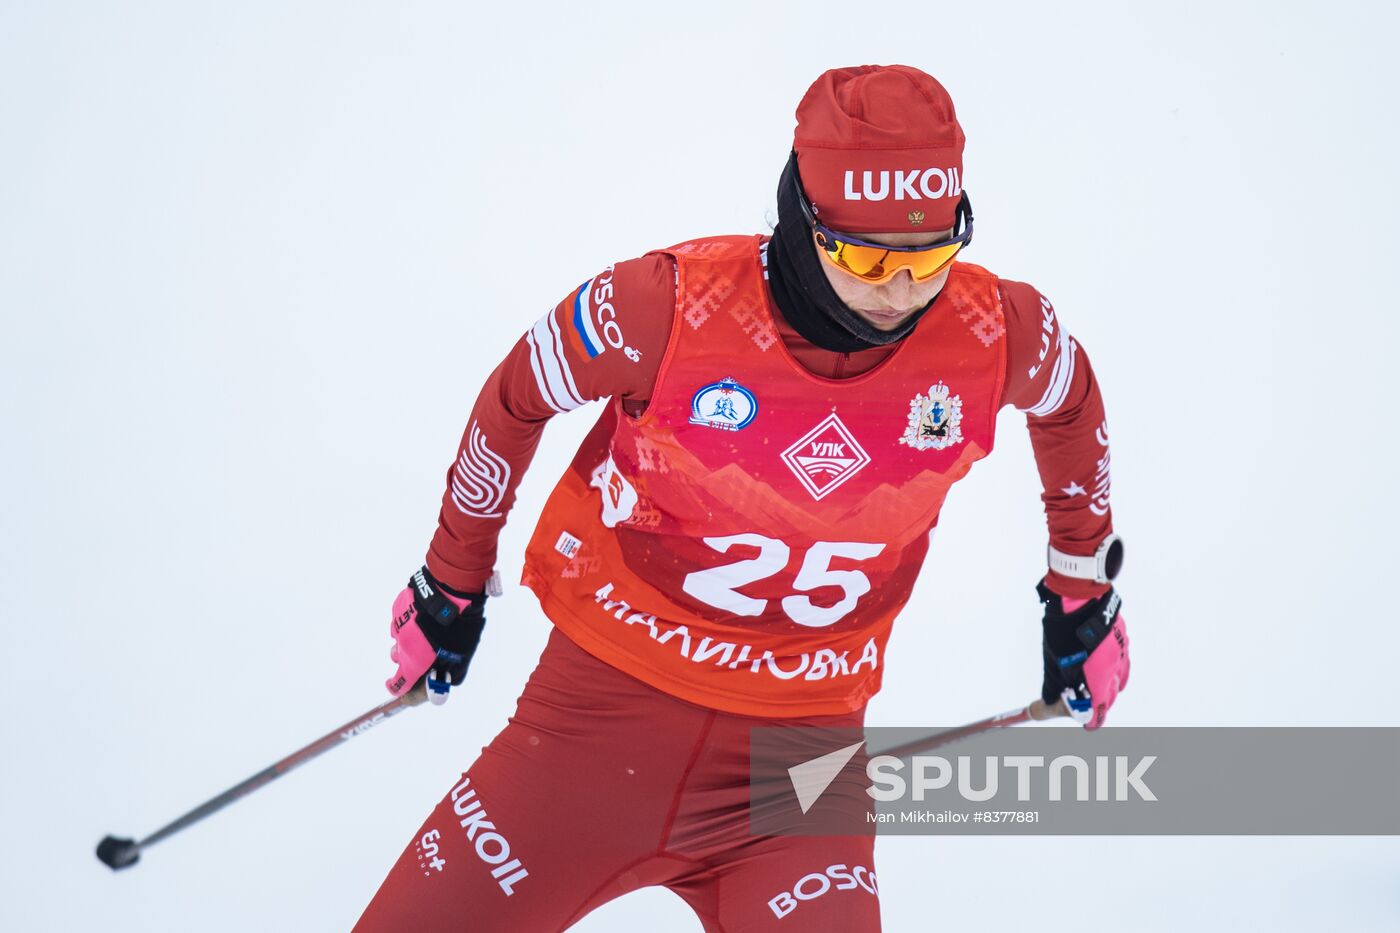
x,y
801,290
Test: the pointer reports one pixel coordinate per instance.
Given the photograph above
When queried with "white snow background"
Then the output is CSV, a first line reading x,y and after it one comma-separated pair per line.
x,y
257,258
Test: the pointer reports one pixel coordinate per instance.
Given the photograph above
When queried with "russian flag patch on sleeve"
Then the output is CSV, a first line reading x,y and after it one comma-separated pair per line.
x,y
583,321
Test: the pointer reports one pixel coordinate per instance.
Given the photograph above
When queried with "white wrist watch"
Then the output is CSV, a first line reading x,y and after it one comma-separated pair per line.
x,y
1102,566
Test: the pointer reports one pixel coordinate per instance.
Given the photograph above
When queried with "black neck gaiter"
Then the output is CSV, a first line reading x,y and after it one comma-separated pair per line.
x,y
801,290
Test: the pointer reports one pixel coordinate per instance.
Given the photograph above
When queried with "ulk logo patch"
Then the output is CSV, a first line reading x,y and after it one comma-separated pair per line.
x,y
825,457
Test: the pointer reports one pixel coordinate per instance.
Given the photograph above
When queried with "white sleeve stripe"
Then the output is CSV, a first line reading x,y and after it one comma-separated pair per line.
x,y
1061,376
1058,386
540,381
479,478
569,383
552,366
1057,375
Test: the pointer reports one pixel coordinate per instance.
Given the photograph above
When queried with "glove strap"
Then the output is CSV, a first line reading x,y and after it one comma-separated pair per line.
x,y
434,601
1094,630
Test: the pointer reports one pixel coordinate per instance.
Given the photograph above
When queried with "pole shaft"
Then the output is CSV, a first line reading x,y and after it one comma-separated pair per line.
x,y
1036,710
301,756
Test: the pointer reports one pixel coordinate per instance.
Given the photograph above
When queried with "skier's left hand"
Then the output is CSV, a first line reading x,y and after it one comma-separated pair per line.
x,y
1085,645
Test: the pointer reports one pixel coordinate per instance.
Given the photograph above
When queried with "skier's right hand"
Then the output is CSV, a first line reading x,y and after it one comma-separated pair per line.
x,y
435,633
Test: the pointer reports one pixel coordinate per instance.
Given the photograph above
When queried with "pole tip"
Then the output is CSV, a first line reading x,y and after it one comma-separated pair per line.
x,y
117,853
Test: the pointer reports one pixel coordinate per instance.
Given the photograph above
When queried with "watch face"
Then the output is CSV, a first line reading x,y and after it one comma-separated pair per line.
x,y
1113,560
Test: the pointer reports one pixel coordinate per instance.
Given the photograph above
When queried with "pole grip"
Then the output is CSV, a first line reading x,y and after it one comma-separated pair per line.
x,y
1040,710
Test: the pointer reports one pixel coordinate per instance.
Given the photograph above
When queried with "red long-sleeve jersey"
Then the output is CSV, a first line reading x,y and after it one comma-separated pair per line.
x,y
1048,376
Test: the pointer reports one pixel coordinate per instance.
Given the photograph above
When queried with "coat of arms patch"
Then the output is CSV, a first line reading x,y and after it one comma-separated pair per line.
x,y
935,420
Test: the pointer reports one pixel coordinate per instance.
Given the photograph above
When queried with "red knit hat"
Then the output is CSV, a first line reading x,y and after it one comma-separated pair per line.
x,y
879,150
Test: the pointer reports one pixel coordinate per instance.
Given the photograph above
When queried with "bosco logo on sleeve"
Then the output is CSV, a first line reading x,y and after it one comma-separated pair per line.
x,y
595,319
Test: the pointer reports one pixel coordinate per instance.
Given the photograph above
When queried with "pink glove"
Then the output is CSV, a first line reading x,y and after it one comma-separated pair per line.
x,y
435,633
1106,670
1085,646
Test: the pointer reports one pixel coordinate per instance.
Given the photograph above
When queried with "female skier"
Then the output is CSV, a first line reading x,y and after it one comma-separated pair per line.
x,y
732,541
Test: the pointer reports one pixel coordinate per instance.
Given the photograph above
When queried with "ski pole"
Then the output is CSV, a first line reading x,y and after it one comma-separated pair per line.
x,y
118,853
1037,710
